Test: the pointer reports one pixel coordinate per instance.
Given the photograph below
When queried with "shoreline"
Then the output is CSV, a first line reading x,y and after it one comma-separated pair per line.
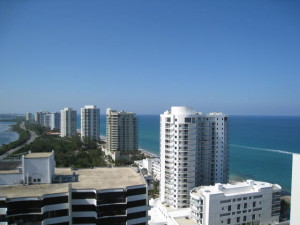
x,y
147,153
10,132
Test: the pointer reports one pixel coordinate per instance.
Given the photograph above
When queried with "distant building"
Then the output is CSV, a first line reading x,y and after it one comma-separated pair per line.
x,y
40,117
193,152
249,202
48,119
55,121
28,116
68,122
152,165
85,196
90,122
121,133
295,198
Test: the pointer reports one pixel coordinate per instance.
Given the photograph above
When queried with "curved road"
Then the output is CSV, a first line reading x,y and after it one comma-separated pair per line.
x,y
32,137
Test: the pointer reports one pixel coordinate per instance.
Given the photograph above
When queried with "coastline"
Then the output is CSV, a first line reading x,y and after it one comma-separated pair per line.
x,y
7,134
149,154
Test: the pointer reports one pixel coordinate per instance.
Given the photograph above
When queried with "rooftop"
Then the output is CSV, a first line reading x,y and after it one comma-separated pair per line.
x,y
186,220
97,178
237,188
38,155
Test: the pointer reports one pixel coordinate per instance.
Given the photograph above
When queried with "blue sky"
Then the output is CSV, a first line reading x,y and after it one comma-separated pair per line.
x,y
238,57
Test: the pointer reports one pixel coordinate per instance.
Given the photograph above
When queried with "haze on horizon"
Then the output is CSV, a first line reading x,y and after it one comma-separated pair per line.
x,y
237,57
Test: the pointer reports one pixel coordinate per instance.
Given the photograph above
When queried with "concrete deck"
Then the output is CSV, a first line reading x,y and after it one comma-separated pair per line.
x,y
97,179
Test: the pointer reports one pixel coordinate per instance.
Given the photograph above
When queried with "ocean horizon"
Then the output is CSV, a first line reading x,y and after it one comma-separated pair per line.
x,y
261,147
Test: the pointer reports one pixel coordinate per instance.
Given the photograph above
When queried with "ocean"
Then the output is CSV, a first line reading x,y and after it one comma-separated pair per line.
x,y
261,147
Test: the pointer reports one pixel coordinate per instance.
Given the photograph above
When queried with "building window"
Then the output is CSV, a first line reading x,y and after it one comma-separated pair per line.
x,y
228,221
188,120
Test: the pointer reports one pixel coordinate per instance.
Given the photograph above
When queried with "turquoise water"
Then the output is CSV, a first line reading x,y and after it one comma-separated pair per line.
x,y
260,146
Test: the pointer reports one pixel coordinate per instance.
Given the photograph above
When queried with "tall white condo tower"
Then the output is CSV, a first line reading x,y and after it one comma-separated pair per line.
x,y
193,151
68,122
90,122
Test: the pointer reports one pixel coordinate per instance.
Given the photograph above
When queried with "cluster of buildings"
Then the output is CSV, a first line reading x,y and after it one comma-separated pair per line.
x,y
65,121
121,127
193,171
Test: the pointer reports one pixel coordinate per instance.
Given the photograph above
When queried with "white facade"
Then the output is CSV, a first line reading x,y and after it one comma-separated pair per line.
x,y
68,122
28,116
90,122
162,214
38,168
249,202
121,132
152,165
54,121
295,198
193,152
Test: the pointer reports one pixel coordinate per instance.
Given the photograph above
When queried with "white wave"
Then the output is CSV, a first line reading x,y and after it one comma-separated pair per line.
x,y
264,149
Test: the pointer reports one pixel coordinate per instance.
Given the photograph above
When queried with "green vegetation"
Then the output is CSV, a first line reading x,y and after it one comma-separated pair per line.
x,y
284,210
38,129
69,152
24,135
133,156
154,193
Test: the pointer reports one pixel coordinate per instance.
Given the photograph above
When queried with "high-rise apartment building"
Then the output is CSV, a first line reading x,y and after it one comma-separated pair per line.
x,y
193,152
40,117
68,122
90,122
55,121
28,116
121,132
48,119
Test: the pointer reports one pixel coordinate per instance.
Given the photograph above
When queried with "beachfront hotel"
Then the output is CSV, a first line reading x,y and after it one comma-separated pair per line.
x,y
295,197
90,122
248,202
84,196
121,133
68,122
193,152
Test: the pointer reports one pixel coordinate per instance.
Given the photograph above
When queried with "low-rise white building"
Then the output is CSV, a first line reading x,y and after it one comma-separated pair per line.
x,y
162,214
249,202
152,165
